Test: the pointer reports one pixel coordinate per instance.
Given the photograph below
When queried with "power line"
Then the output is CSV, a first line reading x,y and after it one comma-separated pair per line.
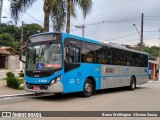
x,y
113,21
34,18
151,31
5,8
74,30
122,36
151,16
5,11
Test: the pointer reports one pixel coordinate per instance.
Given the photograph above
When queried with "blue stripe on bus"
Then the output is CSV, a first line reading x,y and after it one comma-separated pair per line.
x,y
126,76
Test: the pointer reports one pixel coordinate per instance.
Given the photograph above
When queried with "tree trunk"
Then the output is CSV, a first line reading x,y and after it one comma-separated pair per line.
x,y
46,9
68,16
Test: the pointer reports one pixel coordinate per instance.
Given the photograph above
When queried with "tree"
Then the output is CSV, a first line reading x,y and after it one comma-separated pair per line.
x,y
56,8
18,7
64,9
31,29
153,50
84,5
11,29
8,40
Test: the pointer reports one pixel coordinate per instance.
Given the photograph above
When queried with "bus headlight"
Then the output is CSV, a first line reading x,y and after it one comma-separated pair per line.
x,y
56,80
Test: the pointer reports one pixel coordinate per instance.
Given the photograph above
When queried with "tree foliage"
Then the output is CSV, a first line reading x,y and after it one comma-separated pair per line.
x,y
31,29
59,10
153,50
10,29
7,39
10,35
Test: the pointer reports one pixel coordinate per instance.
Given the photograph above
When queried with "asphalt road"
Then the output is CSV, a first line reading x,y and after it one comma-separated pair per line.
x,y
145,98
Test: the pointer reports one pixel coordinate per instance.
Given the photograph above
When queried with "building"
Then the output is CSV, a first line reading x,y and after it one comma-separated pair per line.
x,y
154,66
9,58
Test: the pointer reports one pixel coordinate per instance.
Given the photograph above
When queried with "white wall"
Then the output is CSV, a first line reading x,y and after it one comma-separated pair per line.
x,y
13,62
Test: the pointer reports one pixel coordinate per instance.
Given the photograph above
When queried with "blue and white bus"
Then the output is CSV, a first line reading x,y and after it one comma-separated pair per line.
x,y
64,63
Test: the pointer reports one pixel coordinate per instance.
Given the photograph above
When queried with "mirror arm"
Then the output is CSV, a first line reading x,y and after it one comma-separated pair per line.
x,y
20,55
20,58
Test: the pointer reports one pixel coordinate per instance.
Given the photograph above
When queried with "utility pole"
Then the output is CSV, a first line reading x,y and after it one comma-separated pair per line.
x,y
1,5
82,27
22,33
142,22
21,44
83,30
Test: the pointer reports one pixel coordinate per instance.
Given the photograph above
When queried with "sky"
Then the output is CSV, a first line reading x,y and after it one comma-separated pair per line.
x,y
109,20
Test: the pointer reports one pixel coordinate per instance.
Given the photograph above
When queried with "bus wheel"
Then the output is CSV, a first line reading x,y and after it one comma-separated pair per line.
x,y
132,83
88,88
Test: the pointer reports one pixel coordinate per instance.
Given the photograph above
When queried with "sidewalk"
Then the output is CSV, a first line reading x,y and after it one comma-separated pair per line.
x,y
4,71
4,90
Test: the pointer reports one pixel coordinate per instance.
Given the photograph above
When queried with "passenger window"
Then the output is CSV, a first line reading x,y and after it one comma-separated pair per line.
x,y
88,54
72,55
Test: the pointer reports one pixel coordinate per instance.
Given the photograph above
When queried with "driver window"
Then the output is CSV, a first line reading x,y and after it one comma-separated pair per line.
x,y
72,55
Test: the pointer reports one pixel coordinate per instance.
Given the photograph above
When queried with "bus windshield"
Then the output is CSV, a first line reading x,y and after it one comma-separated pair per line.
x,y
44,56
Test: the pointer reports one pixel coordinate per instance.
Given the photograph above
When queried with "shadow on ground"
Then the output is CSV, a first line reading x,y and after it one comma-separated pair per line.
x,y
71,96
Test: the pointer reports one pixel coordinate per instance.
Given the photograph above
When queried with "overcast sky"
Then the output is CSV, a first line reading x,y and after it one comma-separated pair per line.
x,y
108,10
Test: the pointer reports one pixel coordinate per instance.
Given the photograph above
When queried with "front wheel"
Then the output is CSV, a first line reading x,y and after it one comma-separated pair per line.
x,y
88,88
132,83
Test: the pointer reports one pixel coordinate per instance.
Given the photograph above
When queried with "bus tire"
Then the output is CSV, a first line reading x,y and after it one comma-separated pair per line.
x,y
132,83
88,88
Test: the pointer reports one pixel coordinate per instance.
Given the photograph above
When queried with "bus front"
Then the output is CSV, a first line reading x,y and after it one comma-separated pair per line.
x,y
44,66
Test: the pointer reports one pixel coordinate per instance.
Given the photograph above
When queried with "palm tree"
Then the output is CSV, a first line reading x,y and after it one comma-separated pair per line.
x,y
56,8
63,7
84,5
18,7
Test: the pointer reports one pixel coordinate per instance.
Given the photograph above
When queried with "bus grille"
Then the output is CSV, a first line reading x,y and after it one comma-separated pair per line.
x,y
42,87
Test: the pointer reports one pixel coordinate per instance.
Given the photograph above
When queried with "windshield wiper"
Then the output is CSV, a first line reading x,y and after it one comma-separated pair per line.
x,y
48,44
30,53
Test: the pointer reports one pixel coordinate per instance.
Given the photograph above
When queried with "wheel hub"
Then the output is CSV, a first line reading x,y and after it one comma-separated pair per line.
x,y
88,87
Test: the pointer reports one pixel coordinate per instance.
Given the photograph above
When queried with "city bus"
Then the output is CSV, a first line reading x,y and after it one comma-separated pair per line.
x,y
64,63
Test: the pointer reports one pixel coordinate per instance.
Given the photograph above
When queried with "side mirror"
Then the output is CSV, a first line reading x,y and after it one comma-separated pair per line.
x,y
22,50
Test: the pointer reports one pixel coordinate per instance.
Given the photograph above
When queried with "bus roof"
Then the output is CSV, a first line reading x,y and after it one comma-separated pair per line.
x,y
106,44
92,41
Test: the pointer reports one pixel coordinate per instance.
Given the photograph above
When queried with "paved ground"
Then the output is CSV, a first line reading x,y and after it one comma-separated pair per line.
x,y
145,98
4,90
4,71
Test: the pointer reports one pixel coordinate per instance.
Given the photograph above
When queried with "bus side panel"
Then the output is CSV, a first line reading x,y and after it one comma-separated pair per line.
x,y
114,76
143,75
91,70
75,78
107,76
119,76
71,79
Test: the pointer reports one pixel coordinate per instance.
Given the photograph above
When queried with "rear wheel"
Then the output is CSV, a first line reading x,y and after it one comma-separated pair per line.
x,y
88,88
132,83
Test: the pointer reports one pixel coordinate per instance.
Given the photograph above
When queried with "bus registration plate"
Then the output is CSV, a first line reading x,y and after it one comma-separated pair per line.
x,y
36,87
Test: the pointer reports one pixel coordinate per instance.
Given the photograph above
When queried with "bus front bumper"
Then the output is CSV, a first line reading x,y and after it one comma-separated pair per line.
x,y
55,88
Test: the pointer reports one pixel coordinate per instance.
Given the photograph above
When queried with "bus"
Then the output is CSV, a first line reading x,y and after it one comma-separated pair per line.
x,y
65,63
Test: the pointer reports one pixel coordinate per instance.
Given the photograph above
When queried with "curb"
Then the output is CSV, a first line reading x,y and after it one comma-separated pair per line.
x,y
17,95
154,81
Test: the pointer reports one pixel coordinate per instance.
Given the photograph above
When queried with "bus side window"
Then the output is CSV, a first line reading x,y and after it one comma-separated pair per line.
x,y
72,55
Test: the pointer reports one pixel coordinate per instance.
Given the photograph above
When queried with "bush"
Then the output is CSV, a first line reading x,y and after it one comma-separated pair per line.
x,y
12,81
21,74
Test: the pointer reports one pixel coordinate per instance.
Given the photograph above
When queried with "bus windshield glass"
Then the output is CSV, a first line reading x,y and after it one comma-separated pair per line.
x,y
47,55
